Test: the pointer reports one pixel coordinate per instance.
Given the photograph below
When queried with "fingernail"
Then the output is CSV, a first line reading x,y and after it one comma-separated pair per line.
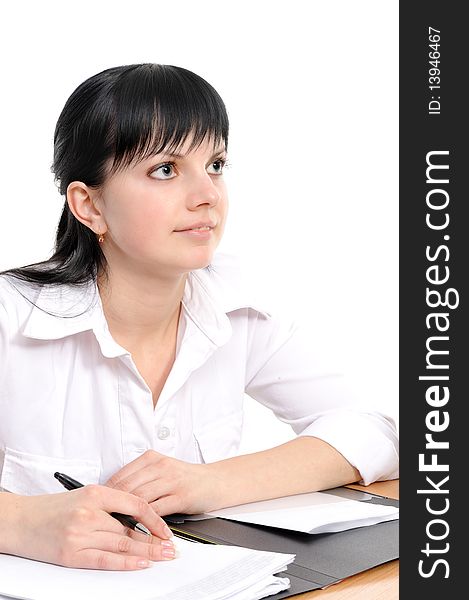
x,y
168,553
141,564
167,531
167,544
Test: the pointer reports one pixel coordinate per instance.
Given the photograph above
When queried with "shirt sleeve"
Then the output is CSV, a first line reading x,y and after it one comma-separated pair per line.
x,y
289,376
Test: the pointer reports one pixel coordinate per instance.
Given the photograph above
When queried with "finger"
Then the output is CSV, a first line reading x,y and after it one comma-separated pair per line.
x,y
137,480
167,505
107,522
112,525
153,549
91,558
152,490
110,500
148,457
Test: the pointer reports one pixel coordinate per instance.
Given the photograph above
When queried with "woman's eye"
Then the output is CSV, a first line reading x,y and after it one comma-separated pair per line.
x,y
165,171
218,166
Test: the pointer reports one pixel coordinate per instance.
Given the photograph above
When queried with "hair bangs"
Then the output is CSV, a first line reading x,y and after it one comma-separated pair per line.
x,y
158,107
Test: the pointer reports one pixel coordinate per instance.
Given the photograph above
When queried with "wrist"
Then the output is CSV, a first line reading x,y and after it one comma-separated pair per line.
x,y
231,482
12,509
218,486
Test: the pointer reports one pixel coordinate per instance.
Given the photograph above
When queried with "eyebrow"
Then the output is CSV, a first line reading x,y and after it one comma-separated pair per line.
x,y
176,155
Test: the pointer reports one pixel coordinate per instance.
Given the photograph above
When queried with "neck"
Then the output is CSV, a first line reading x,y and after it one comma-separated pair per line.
x,y
141,312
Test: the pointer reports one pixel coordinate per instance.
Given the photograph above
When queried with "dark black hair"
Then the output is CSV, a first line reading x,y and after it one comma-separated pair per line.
x,y
117,117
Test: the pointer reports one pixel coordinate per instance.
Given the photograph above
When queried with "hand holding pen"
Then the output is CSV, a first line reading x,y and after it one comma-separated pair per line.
x,y
154,548
127,520
76,529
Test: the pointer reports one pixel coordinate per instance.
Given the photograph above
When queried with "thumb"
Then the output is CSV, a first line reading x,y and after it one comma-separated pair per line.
x,y
167,505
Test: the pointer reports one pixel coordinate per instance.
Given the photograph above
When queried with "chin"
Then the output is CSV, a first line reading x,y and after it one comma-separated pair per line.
x,y
199,258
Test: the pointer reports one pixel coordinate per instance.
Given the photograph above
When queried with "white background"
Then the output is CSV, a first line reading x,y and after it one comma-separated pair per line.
x,y
311,89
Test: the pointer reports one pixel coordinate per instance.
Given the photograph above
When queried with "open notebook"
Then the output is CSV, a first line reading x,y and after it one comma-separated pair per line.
x,y
200,572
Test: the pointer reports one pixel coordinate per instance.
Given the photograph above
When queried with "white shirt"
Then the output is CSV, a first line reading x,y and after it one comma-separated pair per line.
x,y
72,399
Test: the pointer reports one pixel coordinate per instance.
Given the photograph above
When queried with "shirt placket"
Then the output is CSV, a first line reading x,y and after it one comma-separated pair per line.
x,y
194,352
136,411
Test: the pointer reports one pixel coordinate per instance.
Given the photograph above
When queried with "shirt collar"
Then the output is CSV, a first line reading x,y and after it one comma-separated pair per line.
x,y
209,296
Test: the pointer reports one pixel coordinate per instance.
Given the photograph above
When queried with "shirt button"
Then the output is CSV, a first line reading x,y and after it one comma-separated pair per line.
x,y
163,433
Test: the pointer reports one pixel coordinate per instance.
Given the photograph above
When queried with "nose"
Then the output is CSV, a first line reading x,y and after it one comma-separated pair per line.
x,y
203,190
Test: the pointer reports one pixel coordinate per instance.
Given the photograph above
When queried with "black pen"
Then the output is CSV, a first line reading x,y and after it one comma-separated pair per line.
x,y
127,520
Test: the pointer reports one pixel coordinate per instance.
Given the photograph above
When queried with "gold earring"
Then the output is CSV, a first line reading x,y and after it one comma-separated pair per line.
x,y
101,238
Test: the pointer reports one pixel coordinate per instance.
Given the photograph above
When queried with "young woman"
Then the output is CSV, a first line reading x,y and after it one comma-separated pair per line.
x,y
125,356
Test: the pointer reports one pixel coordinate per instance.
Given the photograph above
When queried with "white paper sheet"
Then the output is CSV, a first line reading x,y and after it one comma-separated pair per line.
x,y
316,512
201,572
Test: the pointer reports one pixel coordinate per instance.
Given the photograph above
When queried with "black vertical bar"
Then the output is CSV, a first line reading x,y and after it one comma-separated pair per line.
x,y
433,272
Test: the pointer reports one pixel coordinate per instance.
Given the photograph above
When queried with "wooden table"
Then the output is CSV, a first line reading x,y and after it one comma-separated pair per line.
x,y
379,583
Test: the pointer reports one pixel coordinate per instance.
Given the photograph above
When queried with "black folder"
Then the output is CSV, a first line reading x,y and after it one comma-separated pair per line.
x,y
321,559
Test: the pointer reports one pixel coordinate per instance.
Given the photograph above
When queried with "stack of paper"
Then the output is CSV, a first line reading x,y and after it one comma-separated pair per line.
x,y
317,512
201,572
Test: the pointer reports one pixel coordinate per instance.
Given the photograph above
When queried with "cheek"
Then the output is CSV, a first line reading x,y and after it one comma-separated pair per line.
x,y
223,210
137,224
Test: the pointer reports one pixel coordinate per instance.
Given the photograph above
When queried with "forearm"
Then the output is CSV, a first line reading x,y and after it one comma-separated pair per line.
x,y
305,464
10,508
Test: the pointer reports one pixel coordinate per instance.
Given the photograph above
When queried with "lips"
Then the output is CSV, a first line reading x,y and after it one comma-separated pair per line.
x,y
199,226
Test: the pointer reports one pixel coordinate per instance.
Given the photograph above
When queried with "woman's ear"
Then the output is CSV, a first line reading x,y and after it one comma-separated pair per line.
x,y
82,203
